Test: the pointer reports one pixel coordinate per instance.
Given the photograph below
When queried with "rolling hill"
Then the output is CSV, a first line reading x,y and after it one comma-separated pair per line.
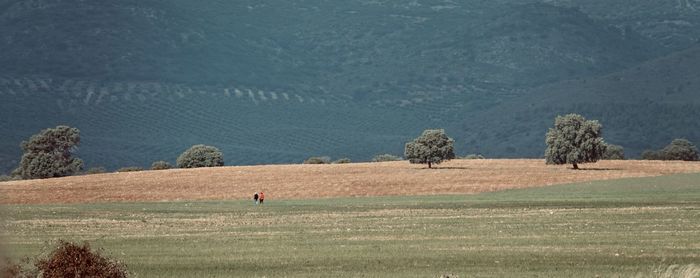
x,y
286,182
275,82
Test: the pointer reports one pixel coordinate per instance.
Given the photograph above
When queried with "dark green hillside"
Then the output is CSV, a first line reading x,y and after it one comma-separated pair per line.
x,y
137,123
671,23
279,81
644,107
345,48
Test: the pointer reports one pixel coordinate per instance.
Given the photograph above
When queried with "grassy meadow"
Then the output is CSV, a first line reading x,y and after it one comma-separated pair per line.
x,y
638,227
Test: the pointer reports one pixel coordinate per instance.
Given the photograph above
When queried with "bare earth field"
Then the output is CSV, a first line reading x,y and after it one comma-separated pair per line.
x,y
324,181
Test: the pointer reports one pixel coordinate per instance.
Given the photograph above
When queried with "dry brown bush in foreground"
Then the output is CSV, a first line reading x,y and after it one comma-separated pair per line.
x,y
67,260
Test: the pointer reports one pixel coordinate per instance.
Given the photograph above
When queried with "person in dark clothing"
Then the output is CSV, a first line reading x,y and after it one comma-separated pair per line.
x,y
255,197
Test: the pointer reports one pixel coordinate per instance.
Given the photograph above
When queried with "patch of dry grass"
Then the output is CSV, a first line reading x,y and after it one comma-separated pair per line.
x,y
323,181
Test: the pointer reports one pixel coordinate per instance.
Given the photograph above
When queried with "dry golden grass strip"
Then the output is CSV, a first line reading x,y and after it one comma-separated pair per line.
x,y
323,181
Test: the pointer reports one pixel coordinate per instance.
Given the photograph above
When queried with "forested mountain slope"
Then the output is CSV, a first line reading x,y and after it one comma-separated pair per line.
x,y
644,107
278,81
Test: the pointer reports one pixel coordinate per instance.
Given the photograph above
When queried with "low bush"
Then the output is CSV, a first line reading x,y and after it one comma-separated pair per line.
x,y
385,157
65,260
318,160
342,161
200,156
96,170
614,152
130,169
474,156
678,149
160,165
6,178
74,260
651,155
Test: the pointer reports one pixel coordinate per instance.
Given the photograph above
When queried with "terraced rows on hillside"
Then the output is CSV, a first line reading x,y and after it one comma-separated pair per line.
x,y
270,81
135,123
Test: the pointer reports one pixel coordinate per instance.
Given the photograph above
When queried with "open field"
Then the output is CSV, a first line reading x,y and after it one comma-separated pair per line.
x,y
635,227
324,181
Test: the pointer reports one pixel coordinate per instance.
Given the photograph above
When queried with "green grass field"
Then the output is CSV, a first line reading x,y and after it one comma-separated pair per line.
x,y
622,228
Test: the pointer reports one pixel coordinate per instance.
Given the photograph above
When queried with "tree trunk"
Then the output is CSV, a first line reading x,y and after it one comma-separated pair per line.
x,y
429,165
575,166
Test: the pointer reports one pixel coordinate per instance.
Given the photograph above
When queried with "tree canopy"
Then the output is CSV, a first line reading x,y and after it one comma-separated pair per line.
x,y
680,149
614,152
200,156
432,147
574,140
50,154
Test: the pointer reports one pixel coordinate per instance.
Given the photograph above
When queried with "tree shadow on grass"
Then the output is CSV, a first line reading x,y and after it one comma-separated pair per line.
x,y
598,169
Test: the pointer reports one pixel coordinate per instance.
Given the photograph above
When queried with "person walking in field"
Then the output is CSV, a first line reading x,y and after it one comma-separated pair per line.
x,y
255,197
261,198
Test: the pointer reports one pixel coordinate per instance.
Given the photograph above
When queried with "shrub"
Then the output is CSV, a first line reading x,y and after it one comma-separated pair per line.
x,y
160,165
574,140
342,161
614,152
432,147
318,160
130,169
65,260
6,178
385,157
652,155
96,170
474,156
50,154
200,156
680,149
73,260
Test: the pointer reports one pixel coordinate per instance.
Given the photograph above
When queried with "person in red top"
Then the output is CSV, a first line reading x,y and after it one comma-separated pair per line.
x,y
261,197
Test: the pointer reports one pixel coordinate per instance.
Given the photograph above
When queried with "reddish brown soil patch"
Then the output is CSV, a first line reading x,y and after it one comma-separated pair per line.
x,y
322,181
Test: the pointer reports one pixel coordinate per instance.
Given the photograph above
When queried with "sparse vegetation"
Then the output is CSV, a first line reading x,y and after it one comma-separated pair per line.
x,y
432,147
614,152
6,178
652,155
200,156
67,259
160,165
49,154
675,271
678,149
574,140
74,260
318,160
342,161
96,170
130,169
474,156
385,158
